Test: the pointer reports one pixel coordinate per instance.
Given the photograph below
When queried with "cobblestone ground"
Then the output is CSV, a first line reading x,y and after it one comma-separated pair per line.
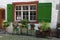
x,y
22,37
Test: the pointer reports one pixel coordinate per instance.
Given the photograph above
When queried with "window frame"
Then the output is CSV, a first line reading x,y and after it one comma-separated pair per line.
x,y
25,3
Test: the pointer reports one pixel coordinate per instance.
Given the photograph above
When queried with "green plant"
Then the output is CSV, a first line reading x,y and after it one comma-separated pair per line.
x,y
23,24
44,29
45,26
15,27
15,30
5,25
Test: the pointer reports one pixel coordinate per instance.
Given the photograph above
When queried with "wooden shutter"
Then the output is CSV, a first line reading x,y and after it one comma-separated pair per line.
x,y
9,13
44,12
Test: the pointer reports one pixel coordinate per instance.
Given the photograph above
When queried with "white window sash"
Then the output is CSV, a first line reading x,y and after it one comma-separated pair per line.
x,y
29,13
22,13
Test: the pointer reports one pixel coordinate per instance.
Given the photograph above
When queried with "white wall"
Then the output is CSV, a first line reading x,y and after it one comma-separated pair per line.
x,y
54,13
3,4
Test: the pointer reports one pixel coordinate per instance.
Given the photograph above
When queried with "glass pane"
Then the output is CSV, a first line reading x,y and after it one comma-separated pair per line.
x,y
33,7
25,7
34,18
17,13
18,18
31,17
20,13
32,12
25,15
17,8
25,12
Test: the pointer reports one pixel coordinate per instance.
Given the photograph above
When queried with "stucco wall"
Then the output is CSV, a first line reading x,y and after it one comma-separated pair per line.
x,y
3,4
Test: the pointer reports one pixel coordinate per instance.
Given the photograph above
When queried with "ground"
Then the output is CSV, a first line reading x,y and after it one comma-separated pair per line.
x,y
23,37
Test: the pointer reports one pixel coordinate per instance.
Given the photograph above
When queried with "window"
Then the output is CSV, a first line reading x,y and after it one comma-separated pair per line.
x,y
33,7
32,15
18,15
26,12
25,7
18,7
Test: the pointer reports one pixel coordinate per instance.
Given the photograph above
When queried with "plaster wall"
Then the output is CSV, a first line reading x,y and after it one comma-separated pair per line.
x,y
3,4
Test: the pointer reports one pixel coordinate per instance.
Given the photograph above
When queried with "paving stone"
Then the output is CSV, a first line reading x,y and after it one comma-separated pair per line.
x,y
23,37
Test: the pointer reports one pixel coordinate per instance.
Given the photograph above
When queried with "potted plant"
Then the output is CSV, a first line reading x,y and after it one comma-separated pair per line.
x,y
32,29
15,28
24,25
45,26
5,25
45,29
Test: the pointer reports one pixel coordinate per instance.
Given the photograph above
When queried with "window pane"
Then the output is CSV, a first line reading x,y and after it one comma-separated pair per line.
x,y
17,8
32,12
23,17
33,7
32,15
27,17
19,13
25,7
18,18
25,14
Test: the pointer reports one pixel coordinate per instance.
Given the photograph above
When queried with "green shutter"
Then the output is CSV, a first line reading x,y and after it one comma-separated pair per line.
x,y
44,12
9,13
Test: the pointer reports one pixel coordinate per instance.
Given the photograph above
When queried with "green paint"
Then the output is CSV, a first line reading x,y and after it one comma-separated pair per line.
x,y
9,13
44,12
